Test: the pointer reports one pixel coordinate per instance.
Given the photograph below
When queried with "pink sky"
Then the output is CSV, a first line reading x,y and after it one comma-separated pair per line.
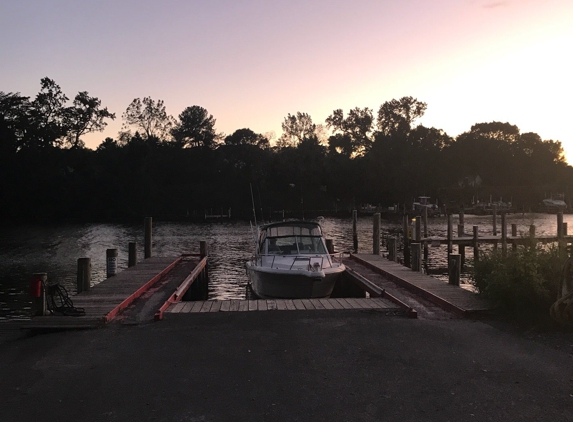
x,y
250,63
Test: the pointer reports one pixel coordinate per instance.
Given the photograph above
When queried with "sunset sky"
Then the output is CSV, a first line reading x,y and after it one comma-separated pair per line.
x,y
251,62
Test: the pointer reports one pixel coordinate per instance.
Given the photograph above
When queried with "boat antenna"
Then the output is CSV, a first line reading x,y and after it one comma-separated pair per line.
x,y
253,201
261,205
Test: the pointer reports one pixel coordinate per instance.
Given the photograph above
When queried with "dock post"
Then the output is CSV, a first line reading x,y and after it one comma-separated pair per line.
x,y
376,234
495,220
513,235
454,269
561,240
204,277
392,249
450,230
354,230
416,255
476,244
329,246
84,274
503,235
461,247
532,235
111,262
132,254
406,240
418,228
147,247
203,249
425,221
38,293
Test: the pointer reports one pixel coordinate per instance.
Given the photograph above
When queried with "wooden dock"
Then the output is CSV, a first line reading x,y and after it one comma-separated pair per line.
x,y
470,240
452,298
375,304
106,299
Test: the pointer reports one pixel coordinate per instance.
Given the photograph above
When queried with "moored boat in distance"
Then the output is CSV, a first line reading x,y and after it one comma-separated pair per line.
x,y
291,261
554,204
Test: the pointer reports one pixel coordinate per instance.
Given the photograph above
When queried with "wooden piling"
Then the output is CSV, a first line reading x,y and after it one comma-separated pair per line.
x,y
454,269
561,244
425,221
355,230
495,220
514,235
450,230
418,228
392,249
532,235
503,235
84,274
461,248
406,228
203,249
111,262
329,246
147,240
476,243
416,257
376,234
132,254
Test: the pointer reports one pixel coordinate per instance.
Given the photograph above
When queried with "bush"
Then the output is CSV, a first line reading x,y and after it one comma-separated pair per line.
x,y
525,282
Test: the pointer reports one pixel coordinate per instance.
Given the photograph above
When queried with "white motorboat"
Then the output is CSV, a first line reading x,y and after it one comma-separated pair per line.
x,y
291,261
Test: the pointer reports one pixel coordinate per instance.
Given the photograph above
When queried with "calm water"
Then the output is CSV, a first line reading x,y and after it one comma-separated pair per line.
x,y
55,250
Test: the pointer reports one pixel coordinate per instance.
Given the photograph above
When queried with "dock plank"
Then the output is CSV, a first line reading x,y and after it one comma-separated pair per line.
x,y
234,305
206,307
290,305
216,306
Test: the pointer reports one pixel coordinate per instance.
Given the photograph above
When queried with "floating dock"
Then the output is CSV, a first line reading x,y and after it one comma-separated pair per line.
x,y
104,301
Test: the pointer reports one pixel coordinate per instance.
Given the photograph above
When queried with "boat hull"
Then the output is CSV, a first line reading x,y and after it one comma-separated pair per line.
x,y
291,284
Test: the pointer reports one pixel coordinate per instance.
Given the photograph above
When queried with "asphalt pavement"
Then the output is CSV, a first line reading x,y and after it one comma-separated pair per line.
x,y
285,366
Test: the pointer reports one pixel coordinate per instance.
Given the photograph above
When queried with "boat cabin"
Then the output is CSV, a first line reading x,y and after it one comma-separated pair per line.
x,y
291,238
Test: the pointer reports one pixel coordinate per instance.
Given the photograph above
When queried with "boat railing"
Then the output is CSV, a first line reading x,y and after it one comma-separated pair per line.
x,y
312,260
311,266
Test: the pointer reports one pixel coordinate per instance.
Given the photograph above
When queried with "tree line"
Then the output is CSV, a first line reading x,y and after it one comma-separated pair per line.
x,y
180,167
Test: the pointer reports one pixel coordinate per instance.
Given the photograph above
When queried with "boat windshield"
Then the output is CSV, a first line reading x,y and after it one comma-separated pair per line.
x,y
297,245
294,230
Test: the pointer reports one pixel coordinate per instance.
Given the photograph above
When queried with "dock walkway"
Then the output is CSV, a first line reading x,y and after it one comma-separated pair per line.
x,y
452,298
236,305
106,299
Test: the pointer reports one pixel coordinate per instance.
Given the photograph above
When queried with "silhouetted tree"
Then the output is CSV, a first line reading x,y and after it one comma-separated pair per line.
x,y
356,128
196,128
296,128
149,117
85,116
247,137
395,117
47,115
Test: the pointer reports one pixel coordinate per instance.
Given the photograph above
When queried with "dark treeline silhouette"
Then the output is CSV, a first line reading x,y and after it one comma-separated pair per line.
x,y
176,168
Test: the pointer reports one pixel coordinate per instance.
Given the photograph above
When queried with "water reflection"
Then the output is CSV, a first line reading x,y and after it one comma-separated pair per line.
x,y
55,250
